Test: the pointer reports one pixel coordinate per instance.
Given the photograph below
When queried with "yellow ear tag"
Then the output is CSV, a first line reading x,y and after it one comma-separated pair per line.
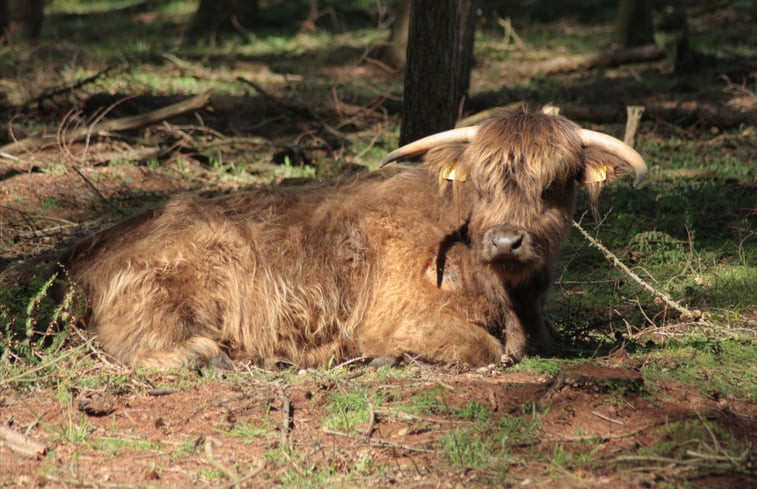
x,y
594,175
449,172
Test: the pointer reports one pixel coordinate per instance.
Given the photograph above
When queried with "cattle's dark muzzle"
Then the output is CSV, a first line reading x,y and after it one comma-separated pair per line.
x,y
506,243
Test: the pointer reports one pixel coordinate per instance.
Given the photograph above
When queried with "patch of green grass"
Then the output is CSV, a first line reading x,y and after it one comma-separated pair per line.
x,y
540,365
489,444
724,367
732,288
573,458
288,170
512,430
74,429
33,325
466,448
350,410
187,448
248,431
680,438
474,411
692,446
118,446
51,203
298,471
212,473
427,402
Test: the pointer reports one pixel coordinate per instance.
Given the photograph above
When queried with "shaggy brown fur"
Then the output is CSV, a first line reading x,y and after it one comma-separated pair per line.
x,y
396,261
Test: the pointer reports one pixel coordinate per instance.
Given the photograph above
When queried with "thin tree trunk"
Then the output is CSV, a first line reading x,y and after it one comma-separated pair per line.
x,y
431,90
468,21
215,16
21,20
634,27
396,50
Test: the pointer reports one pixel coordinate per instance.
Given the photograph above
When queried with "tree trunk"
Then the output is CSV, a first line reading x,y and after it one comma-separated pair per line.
x,y
214,16
468,20
431,93
395,53
634,27
21,20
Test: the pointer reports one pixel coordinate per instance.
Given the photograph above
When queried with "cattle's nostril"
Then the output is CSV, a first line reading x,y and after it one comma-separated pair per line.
x,y
516,243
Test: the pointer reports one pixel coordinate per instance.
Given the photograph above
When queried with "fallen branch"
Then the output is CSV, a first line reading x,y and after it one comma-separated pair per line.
x,y
634,113
21,444
378,442
121,124
286,415
610,256
617,57
233,477
70,87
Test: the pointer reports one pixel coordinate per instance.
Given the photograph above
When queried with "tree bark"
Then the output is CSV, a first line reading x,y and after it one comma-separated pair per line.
x,y
214,16
396,50
468,20
634,27
21,20
431,92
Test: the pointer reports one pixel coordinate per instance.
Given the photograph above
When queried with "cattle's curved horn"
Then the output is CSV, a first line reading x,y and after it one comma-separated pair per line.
x,y
459,135
619,149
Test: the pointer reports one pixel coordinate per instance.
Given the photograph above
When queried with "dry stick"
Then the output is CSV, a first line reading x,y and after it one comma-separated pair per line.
x,y
96,191
69,88
371,418
619,264
230,474
566,64
21,444
607,418
286,414
378,442
124,123
247,476
96,484
292,108
633,113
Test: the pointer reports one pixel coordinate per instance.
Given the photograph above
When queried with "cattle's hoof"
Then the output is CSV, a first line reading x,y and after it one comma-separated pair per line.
x,y
217,366
388,361
222,362
508,360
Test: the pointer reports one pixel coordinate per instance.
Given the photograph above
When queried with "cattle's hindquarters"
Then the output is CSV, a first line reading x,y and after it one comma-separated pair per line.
x,y
161,295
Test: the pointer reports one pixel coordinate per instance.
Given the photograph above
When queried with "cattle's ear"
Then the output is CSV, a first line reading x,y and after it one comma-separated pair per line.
x,y
600,167
446,162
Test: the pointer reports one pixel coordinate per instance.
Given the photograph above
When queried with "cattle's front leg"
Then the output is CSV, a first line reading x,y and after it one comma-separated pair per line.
x,y
440,338
526,328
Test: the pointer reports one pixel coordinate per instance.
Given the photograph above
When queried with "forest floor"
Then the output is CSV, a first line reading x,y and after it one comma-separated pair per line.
x,y
636,395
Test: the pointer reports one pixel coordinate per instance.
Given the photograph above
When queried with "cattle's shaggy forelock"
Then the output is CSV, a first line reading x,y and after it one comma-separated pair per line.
x,y
448,260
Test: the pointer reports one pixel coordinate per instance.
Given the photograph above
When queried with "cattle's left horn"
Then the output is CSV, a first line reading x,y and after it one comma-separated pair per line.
x,y
619,149
459,135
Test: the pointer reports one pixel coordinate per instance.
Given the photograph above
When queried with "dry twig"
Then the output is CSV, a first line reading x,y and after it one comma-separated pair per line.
x,y
121,124
634,113
286,417
21,444
610,256
230,474
378,442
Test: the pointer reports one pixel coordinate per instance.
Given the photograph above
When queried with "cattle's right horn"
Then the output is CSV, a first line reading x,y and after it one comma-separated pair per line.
x,y
619,149
459,135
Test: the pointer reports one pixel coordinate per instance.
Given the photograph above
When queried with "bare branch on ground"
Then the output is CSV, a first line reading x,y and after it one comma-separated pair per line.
x,y
615,261
121,124
21,444
616,57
